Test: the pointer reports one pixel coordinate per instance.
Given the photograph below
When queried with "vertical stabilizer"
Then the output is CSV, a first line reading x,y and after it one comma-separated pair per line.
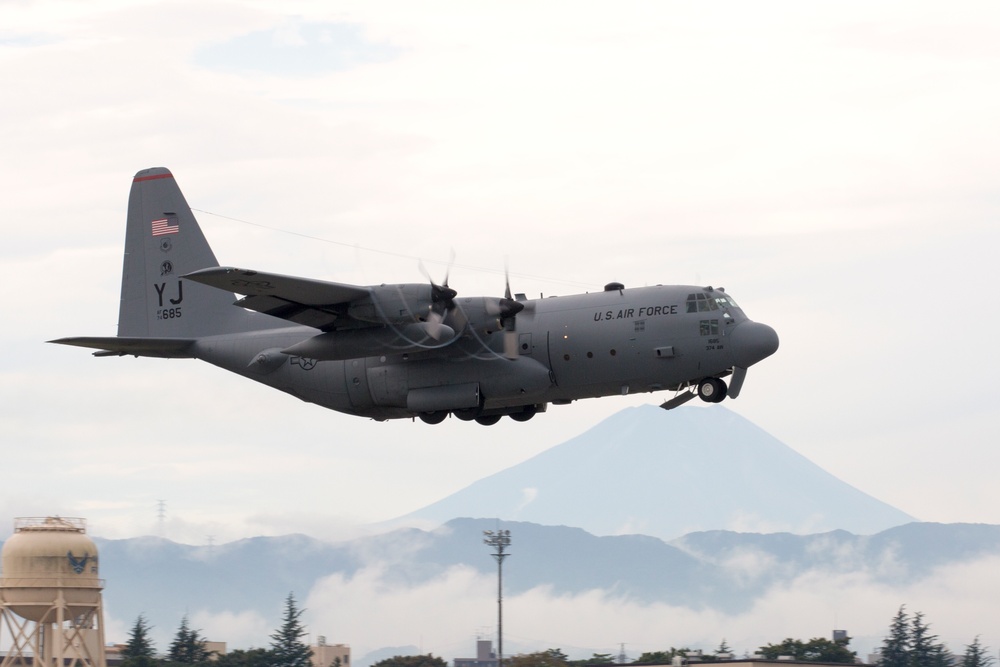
x,y
163,242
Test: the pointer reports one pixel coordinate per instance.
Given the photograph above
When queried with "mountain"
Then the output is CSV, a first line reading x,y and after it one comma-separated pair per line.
x,y
665,474
702,571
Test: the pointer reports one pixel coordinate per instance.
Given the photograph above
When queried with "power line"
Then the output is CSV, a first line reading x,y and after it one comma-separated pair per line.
x,y
389,253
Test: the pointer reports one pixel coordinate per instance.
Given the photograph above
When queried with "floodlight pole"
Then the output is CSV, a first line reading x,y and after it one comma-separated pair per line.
x,y
499,540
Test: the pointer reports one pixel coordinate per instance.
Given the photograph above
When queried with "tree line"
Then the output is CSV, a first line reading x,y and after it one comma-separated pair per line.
x,y
188,647
909,643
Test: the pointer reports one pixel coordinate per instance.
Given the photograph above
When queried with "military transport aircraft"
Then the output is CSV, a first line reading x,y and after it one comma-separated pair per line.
x,y
415,350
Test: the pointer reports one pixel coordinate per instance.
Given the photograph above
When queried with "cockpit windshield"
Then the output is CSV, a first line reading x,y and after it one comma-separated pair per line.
x,y
702,302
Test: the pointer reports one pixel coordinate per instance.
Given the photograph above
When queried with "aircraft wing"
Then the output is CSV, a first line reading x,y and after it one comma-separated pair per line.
x,y
169,348
314,303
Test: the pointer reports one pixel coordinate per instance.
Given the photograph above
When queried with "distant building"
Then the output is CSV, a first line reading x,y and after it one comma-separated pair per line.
x,y
485,657
215,649
330,655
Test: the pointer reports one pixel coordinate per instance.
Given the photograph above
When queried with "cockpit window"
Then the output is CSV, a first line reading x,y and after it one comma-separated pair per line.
x,y
724,301
701,303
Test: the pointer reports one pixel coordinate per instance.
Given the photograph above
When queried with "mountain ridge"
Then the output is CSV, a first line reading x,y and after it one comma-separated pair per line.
x,y
648,471
702,571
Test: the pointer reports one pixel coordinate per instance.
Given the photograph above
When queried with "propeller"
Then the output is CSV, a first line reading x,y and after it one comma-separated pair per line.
x,y
507,309
442,301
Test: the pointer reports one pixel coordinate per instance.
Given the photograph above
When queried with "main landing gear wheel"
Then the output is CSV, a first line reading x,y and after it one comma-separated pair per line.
x,y
488,420
433,417
712,390
467,414
524,415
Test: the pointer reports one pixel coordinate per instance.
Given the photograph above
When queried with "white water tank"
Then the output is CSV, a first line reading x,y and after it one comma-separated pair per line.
x,y
47,563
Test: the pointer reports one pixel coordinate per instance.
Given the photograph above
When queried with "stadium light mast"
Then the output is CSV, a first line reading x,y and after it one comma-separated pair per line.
x,y
499,540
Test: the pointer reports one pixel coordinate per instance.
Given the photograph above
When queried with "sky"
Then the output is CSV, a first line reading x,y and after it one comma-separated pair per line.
x,y
833,166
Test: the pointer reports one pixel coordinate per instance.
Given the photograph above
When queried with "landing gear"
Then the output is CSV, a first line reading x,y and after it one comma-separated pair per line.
x,y
433,417
712,390
488,420
524,415
467,414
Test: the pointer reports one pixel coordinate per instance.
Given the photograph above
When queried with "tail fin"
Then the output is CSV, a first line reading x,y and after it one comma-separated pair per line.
x,y
163,242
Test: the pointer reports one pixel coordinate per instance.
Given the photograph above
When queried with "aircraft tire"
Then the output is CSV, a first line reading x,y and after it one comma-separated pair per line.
x,y
488,420
467,414
712,390
433,417
524,415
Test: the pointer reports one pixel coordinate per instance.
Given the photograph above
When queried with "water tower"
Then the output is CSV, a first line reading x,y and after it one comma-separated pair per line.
x,y
50,595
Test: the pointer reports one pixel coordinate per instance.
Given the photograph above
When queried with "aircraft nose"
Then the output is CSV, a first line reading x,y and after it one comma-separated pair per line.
x,y
751,342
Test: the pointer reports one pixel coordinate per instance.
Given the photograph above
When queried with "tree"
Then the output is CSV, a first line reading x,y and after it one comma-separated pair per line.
x,y
412,661
188,647
976,655
287,647
817,649
139,651
552,657
255,657
925,651
896,647
723,647
595,659
662,657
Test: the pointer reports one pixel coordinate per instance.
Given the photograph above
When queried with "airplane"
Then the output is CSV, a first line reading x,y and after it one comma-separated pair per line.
x,y
415,350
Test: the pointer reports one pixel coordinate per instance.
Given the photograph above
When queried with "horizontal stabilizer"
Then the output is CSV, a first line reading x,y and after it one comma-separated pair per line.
x,y
169,348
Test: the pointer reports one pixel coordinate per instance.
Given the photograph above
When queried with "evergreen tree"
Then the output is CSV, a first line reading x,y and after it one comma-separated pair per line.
x,y
925,651
817,649
413,661
896,647
287,647
139,651
976,655
188,647
255,657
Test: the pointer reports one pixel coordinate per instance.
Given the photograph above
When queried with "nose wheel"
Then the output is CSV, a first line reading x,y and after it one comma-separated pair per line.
x,y
712,390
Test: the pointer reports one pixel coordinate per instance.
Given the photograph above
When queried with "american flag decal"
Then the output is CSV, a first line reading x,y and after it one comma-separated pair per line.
x,y
163,226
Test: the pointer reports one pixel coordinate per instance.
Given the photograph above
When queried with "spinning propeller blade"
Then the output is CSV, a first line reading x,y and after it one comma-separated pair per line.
x,y
442,301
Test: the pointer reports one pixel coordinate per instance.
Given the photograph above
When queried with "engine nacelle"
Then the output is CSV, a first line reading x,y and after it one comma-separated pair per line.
x,y
394,304
484,314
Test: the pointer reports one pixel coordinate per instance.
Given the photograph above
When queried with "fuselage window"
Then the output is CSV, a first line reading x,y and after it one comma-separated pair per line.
x,y
709,327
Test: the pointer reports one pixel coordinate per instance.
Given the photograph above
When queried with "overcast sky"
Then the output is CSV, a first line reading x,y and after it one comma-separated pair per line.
x,y
833,166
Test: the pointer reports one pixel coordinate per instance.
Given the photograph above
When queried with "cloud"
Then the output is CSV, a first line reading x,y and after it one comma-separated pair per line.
x,y
296,48
238,629
367,611
528,495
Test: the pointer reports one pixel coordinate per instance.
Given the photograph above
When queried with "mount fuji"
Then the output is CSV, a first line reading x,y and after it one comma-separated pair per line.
x,y
665,474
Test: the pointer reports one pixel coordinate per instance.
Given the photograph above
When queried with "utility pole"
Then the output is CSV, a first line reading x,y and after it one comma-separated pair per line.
x,y
499,540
